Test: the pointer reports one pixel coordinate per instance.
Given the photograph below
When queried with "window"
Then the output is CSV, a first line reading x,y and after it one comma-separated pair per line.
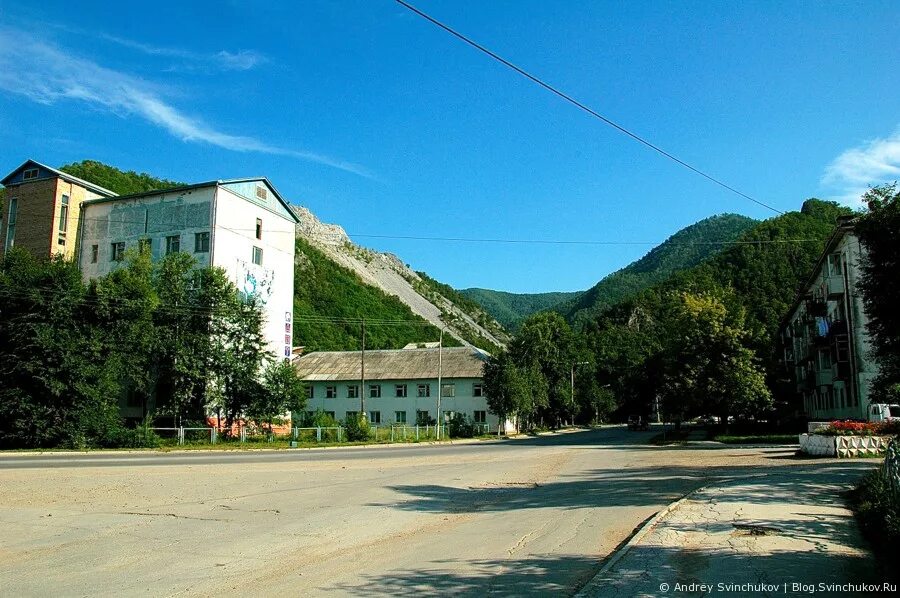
x,y
375,391
201,242
400,417
423,390
374,417
400,391
173,244
144,245
63,214
309,392
257,256
478,390
480,417
11,224
95,253
448,390
262,192
834,264
30,174
118,252
330,414
353,391
259,228
331,392
61,241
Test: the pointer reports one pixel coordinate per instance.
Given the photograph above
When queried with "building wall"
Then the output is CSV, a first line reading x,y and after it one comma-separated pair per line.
x,y
65,244
464,401
234,237
153,217
34,217
825,341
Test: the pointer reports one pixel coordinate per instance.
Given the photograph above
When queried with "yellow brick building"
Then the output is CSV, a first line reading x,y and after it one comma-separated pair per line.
x,y
42,209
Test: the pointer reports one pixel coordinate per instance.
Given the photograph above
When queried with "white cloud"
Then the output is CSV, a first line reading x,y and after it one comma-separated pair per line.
x,y
46,74
241,60
856,170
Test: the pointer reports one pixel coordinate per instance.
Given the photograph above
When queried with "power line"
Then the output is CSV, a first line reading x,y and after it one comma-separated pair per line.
x,y
511,241
581,106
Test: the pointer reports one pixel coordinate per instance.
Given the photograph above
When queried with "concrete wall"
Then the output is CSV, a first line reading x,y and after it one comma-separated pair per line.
x,y
152,217
464,401
234,237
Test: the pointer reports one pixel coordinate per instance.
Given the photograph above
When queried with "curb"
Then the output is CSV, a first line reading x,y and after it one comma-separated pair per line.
x,y
637,536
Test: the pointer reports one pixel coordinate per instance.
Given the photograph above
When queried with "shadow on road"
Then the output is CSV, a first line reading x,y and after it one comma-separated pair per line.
x,y
642,486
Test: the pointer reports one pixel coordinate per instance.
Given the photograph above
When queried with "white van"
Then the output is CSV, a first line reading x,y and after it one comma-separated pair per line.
x,y
879,412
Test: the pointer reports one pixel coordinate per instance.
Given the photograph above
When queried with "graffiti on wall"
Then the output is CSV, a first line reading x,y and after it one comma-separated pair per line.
x,y
255,281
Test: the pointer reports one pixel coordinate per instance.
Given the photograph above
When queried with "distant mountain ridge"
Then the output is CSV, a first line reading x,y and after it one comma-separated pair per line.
x,y
685,249
511,308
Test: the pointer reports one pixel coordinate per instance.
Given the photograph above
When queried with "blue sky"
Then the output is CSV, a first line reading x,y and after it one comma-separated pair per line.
x,y
380,122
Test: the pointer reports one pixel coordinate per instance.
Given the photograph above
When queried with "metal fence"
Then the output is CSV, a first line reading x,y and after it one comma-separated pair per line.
x,y
319,434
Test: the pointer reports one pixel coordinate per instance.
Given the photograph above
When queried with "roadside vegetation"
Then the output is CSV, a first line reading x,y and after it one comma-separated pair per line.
x,y
877,508
173,341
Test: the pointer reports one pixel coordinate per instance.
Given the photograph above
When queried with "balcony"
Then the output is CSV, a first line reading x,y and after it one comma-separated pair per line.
x,y
824,377
834,286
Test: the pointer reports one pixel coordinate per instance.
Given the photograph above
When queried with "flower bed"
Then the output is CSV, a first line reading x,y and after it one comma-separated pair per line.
x,y
845,428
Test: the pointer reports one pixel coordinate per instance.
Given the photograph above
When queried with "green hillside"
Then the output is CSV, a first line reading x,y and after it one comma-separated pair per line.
x,y
109,177
685,249
511,308
326,295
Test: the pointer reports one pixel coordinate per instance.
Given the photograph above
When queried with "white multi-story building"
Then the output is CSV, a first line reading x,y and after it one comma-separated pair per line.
x,y
243,226
824,340
399,385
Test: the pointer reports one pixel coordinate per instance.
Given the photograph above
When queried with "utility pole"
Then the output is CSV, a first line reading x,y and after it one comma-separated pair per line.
x,y
439,388
362,369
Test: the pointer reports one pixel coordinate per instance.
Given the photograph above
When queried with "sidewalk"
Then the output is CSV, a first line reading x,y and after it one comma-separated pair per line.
x,y
782,533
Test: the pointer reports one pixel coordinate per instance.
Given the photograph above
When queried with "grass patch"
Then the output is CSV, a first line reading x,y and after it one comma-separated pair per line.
x,y
758,439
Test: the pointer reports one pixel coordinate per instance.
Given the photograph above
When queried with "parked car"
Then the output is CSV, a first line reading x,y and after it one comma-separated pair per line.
x,y
709,420
879,412
638,422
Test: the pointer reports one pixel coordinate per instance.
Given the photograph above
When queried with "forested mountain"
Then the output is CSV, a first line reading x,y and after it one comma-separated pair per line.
x,y
756,281
511,308
685,249
337,281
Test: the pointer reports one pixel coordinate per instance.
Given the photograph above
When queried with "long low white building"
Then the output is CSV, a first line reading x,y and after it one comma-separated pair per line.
x,y
399,385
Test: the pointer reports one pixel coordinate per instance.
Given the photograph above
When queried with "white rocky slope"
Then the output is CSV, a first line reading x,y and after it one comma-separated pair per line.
x,y
390,274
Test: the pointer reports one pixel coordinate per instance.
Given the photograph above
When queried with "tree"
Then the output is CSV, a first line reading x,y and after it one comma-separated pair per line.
x,y
879,233
282,391
545,350
705,366
59,382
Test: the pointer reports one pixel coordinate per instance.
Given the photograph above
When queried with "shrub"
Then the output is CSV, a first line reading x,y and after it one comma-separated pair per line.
x,y
877,509
460,426
357,428
139,437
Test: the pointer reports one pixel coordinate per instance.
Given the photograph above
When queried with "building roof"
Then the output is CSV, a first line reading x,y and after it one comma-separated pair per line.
x,y
63,175
393,364
215,183
844,226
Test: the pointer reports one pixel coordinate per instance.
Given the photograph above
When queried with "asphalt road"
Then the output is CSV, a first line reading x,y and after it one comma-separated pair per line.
x,y
525,516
